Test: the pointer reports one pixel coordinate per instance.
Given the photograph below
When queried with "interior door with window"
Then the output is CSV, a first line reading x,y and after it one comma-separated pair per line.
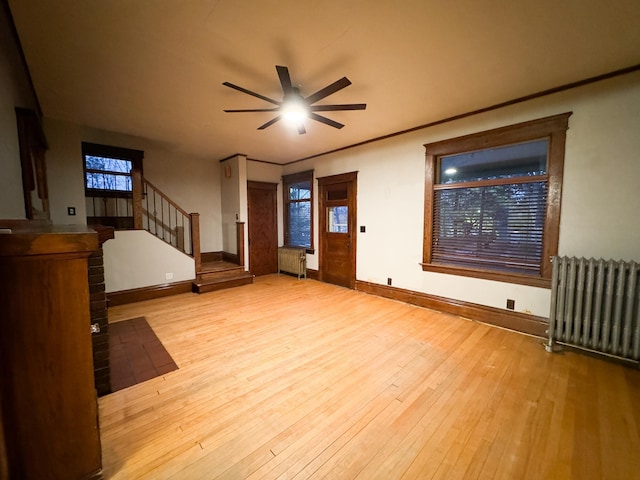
x,y
338,229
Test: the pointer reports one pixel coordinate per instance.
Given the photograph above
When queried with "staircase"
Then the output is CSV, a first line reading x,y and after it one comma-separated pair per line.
x,y
220,274
156,213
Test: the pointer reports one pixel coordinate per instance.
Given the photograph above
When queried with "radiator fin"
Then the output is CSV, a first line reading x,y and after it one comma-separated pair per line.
x,y
595,304
293,260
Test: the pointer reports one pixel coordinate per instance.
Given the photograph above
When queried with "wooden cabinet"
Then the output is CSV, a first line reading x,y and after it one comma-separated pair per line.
x,y
48,399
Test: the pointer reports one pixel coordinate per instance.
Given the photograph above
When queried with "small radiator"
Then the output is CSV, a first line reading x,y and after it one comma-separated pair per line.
x,y
595,305
292,260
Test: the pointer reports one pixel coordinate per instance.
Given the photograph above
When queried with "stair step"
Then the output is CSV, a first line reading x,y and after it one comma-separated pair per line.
x,y
216,274
221,282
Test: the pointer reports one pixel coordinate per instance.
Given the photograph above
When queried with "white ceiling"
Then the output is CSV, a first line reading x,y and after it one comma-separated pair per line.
x,y
154,68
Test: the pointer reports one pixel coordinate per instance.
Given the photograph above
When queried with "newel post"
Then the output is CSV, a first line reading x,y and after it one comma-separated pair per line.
x,y
240,242
195,239
136,186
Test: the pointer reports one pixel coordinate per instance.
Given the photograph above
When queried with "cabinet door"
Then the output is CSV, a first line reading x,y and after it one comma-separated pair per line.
x,y
48,396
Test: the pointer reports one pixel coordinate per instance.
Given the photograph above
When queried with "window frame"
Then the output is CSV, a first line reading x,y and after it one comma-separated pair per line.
x,y
108,151
553,129
287,180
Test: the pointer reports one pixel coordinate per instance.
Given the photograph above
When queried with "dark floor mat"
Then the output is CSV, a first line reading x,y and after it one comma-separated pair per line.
x,y
136,354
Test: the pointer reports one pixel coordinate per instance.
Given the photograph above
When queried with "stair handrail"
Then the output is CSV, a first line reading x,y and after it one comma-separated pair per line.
x,y
164,196
142,189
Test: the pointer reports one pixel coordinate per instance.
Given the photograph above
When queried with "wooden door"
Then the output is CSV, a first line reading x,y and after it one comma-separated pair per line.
x,y
338,229
262,227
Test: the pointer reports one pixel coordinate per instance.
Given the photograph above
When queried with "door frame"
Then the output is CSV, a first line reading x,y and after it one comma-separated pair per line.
x,y
350,177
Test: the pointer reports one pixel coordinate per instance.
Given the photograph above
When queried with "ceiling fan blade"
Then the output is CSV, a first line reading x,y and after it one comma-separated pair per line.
x,y
285,79
325,120
253,110
269,123
301,129
328,90
249,92
333,108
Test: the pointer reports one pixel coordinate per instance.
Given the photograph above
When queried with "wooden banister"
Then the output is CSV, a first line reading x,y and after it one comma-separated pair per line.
x,y
155,212
164,197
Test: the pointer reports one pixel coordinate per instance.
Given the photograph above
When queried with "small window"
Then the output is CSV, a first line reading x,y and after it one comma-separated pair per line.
x,y
338,219
108,169
108,173
492,202
112,174
298,210
336,194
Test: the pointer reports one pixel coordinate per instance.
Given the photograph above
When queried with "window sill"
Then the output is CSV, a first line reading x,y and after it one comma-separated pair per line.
x,y
310,251
505,277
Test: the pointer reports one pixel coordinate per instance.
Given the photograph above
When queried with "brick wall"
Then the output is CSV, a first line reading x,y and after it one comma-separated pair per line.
x,y
100,339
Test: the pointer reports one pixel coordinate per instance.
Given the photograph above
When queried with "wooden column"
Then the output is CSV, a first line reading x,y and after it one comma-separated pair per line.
x,y
48,398
240,242
195,240
137,191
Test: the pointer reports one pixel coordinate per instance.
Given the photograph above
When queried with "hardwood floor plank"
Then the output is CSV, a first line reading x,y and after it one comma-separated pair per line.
x,y
300,379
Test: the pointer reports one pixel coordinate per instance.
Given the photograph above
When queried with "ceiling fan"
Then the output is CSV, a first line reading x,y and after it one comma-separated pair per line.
x,y
295,107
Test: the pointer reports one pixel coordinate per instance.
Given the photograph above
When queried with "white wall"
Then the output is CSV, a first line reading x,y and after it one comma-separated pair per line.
x,y
600,205
233,175
136,258
15,91
64,172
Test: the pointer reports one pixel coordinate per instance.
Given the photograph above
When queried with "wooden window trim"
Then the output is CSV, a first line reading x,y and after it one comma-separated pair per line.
x,y
307,175
554,129
109,151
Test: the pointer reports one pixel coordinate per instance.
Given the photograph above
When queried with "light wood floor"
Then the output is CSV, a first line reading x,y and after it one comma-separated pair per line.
x,y
300,379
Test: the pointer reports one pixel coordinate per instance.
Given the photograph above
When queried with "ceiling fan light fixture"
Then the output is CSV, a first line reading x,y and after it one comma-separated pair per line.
x,y
294,112
294,109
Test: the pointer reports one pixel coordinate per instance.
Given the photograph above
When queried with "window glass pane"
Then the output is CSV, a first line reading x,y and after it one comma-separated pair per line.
x,y
113,174
108,164
299,228
300,191
524,159
108,181
496,227
338,221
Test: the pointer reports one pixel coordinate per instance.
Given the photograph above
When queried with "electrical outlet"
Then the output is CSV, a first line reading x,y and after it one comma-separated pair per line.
x,y
168,276
363,229
511,304
389,281
71,211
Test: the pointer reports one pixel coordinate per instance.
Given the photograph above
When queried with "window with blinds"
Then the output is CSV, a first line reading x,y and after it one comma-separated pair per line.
x,y
489,212
298,209
481,221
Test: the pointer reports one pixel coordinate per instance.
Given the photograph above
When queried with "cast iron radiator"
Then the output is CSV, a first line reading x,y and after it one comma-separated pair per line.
x,y
595,305
292,260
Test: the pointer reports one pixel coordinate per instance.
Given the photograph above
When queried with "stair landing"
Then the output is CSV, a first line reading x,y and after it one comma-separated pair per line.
x,y
218,275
